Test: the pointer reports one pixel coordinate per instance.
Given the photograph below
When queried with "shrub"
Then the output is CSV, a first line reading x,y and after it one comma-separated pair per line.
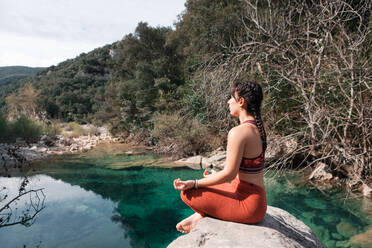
x,y
52,130
76,130
26,129
185,136
4,129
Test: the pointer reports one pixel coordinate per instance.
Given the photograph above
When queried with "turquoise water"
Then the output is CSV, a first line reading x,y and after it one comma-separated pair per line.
x,y
91,203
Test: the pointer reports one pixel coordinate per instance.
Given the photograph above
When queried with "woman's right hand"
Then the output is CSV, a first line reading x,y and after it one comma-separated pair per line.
x,y
183,185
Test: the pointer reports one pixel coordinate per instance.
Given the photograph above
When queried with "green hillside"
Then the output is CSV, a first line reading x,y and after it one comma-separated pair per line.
x,y
9,74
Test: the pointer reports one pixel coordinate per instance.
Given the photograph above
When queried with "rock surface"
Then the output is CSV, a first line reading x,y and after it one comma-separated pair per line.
x,y
367,191
216,160
321,173
279,229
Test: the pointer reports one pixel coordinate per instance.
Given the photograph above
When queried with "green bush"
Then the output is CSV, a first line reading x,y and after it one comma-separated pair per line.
x,y
76,129
52,130
26,129
188,136
4,129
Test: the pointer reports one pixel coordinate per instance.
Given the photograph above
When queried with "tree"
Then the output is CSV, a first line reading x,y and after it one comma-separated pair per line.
x,y
24,102
313,58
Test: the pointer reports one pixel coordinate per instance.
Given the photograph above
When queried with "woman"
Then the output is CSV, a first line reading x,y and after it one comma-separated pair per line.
x,y
244,200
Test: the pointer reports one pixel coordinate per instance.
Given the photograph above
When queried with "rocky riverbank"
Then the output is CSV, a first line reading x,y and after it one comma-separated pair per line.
x,y
14,157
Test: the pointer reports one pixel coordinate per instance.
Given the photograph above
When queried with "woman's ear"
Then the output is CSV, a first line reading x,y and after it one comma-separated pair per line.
x,y
241,101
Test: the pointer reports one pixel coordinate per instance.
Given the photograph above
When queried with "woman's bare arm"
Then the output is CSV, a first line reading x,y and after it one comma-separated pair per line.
x,y
234,153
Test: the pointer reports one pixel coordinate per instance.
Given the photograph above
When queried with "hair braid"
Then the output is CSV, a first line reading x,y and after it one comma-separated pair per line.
x,y
261,129
252,93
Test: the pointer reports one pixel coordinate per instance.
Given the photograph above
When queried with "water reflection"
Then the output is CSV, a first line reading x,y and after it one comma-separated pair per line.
x,y
20,207
73,217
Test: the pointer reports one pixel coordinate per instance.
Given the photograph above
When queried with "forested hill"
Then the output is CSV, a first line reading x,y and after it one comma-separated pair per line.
x,y
9,74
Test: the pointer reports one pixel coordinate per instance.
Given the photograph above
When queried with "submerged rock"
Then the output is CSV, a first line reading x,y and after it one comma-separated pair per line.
x,y
346,229
279,229
362,240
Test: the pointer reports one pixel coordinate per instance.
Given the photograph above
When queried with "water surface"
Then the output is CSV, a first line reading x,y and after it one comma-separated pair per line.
x,y
97,200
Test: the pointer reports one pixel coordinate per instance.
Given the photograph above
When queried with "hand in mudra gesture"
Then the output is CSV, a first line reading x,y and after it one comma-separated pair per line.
x,y
183,185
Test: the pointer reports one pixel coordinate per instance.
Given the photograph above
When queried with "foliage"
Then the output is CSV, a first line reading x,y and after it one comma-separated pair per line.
x,y
24,102
75,129
9,74
52,130
25,129
4,128
183,136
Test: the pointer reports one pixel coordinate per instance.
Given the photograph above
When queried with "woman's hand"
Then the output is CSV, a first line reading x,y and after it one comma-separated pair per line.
x,y
183,185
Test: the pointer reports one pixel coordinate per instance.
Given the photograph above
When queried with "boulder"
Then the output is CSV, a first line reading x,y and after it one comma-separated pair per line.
x,y
321,173
195,162
217,160
278,229
367,191
279,145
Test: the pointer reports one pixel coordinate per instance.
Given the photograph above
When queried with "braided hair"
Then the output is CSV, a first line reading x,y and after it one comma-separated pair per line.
x,y
252,94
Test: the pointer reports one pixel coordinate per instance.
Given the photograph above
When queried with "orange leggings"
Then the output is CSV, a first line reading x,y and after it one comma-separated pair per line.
x,y
239,201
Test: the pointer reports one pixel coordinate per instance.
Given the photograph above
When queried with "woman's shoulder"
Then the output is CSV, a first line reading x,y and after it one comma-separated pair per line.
x,y
242,131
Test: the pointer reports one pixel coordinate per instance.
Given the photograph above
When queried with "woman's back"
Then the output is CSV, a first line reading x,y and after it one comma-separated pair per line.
x,y
252,151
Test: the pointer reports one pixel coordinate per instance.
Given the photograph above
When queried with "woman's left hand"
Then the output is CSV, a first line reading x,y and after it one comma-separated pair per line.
x,y
183,185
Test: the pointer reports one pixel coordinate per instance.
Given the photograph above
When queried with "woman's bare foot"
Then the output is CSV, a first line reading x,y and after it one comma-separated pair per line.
x,y
189,223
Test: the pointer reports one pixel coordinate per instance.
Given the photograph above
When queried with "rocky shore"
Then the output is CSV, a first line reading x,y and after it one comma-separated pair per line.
x,y
14,157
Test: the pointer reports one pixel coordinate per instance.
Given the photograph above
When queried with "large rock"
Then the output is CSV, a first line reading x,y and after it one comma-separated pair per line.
x,y
195,162
279,229
321,173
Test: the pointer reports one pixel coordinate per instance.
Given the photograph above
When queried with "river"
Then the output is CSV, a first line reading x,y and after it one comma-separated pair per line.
x,y
111,199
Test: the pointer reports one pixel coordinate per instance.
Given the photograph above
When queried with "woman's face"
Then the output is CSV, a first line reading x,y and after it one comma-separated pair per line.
x,y
234,105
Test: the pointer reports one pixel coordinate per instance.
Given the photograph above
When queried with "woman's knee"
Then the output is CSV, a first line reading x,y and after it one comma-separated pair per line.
x,y
186,195
183,196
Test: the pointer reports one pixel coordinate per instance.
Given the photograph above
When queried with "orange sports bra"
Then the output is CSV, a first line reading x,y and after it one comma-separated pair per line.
x,y
252,165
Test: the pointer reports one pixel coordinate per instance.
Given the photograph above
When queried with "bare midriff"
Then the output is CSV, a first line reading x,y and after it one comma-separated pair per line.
x,y
256,179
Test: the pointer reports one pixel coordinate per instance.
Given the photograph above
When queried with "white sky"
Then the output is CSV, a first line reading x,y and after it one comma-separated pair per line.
x,y
47,32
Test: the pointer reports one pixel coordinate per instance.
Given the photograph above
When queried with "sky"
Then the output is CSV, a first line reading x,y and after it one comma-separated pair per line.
x,y
41,33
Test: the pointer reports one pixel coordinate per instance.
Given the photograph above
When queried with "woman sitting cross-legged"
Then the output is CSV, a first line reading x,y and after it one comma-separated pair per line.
x,y
244,199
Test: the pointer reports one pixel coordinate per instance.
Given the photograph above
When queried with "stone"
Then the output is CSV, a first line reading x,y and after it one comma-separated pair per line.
x,y
321,173
278,145
330,219
367,191
340,244
363,240
192,162
278,229
216,160
337,236
330,243
346,229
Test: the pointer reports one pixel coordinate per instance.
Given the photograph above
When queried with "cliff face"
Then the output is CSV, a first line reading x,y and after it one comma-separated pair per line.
x,y
279,229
